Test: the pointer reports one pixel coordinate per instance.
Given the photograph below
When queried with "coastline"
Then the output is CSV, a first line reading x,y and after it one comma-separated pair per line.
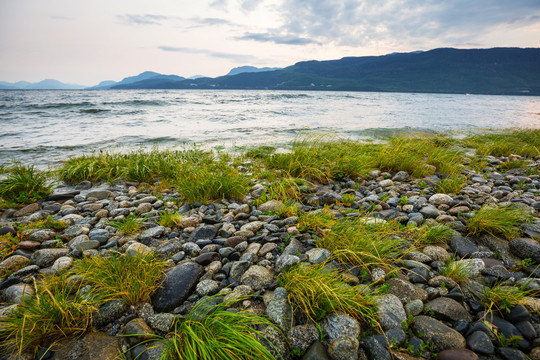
x,y
394,222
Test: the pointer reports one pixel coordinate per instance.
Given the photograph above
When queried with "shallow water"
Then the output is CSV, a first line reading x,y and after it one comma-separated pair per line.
x,y
44,127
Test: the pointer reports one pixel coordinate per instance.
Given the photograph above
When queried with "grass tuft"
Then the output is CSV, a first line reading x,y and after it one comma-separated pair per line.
x,y
130,277
317,290
503,220
210,332
58,309
170,219
522,142
451,184
130,224
8,244
24,184
458,271
504,297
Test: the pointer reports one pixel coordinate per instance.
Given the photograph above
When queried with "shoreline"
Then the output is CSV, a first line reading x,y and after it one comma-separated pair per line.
x,y
408,225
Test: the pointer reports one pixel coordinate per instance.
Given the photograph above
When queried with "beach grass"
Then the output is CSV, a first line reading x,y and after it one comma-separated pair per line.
x,y
502,221
132,278
24,184
458,271
210,331
170,219
317,290
504,297
505,142
128,225
451,184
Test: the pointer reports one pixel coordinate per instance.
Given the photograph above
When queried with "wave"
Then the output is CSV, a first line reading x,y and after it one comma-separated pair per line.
x,y
93,111
138,103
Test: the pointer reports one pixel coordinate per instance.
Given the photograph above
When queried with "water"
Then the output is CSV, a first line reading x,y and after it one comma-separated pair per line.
x,y
44,127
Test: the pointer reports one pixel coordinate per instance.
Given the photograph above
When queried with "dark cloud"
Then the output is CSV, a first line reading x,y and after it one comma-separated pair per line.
x,y
143,19
363,22
222,55
277,39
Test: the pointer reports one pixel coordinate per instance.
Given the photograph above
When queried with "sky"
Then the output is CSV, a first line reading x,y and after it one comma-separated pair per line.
x,y
85,42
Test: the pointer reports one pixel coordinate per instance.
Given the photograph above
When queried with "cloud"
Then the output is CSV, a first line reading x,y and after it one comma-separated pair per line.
x,y
363,22
230,56
143,19
58,17
277,39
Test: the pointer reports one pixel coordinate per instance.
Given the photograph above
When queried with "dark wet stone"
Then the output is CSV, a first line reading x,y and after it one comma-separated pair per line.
x,y
532,230
499,272
463,246
204,233
179,283
316,351
447,309
525,248
64,195
479,342
109,312
8,229
375,348
440,335
207,258
457,354
234,240
512,354
517,314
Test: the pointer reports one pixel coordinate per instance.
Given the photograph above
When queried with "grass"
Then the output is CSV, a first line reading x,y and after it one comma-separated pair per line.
x,y
130,224
504,297
502,220
458,271
48,223
359,242
8,244
24,184
130,277
58,309
431,234
451,184
170,219
317,220
210,332
507,142
317,290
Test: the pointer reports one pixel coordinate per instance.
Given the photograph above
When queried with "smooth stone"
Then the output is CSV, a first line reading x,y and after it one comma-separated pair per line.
x,y
207,258
253,226
479,342
62,263
92,346
457,354
295,247
109,312
436,253
64,195
153,232
517,314
179,283
279,310
270,206
439,280
406,291
28,209
447,309
161,322
316,351
318,255
526,248
337,324
344,348
204,233
285,262
414,307
257,277
391,311
438,199
15,293
234,240
42,235
13,263
463,246
138,248
442,336
238,268
302,336
47,257
430,211
137,330
207,287
8,229
375,348
98,194
512,354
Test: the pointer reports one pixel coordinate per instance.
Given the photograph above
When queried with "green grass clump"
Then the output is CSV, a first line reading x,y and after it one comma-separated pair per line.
x,y
504,297
211,182
130,277
8,244
170,219
359,242
58,309
451,184
131,224
502,220
317,290
522,142
431,234
316,220
211,332
49,223
458,271
260,152
24,184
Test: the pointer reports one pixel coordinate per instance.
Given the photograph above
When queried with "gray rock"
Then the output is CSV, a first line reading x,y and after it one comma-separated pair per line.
x,y
337,325
318,255
391,311
344,348
405,291
442,337
98,194
269,206
302,336
28,209
42,235
439,199
161,322
401,176
295,247
13,263
284,262
532,230
430,211
447,309
257,277
47,257
316,351
463,246
62,263
457,354
279,310
204,233
207,287
94,345
330,197
15,293
109,312
238,268
479,342
526,248
414,307
153,232
375,348
276,343
179,283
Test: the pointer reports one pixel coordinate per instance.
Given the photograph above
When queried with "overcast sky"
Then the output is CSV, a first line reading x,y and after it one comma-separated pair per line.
x,y
85,42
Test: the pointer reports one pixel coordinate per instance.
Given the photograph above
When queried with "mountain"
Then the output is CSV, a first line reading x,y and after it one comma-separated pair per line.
x,y
149,76
504,71
244,69
47,84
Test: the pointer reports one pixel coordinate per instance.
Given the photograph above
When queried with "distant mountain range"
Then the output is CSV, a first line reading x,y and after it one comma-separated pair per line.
x,y
46,84
508,71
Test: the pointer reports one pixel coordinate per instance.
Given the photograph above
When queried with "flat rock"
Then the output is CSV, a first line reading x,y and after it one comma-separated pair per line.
x,y
47,257
96,345
442,336
179,283
479,342
257,277
13,263
337,325
63,195
525,248
15,293
406,291
391,311
153,232
204,233
463,246
457,354
279,310
98,194
447,309
28,209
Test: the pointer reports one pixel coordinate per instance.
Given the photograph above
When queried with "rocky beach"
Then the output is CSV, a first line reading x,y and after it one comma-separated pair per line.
x,y
443,288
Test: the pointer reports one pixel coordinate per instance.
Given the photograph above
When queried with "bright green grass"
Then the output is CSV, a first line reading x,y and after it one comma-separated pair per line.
x,y
130,277
24,184
458,271
317,290
506,142
451,184
499,220
504,297
130,224
211,332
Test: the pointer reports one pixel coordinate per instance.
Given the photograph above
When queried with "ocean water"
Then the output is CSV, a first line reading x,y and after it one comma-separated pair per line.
x,y
45,127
